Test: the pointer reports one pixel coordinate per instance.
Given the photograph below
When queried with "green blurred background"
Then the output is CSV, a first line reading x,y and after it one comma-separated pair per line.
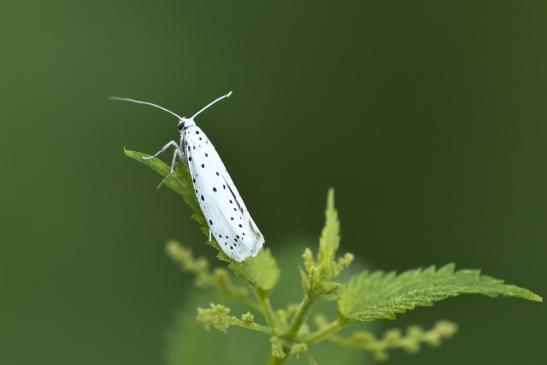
x,y
428,117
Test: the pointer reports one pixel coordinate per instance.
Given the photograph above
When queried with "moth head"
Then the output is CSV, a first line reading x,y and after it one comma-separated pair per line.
x,y
185,123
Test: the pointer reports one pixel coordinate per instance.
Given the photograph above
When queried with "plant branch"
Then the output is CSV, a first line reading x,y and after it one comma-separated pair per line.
x,y
324,332
299,317
411,341
254,327
266,309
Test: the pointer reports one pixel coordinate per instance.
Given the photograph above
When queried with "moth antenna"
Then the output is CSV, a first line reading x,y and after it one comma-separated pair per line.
x,y
210,104
145,103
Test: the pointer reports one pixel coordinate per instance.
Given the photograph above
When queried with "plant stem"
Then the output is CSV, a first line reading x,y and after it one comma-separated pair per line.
x,y
324,332
251,303
254,327
299,317
267,310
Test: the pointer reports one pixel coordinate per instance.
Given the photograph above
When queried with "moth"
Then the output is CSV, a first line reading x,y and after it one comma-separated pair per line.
x,y
227,216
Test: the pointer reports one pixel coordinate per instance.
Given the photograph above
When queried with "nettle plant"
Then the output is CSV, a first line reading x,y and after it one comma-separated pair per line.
x,y
365,297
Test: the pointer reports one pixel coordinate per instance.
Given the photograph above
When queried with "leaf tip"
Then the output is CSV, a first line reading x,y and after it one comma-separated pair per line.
x,y
534,297
330,198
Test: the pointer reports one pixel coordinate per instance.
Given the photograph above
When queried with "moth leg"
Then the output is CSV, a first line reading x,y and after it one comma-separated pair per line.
x,y
209,235
176,153
167,145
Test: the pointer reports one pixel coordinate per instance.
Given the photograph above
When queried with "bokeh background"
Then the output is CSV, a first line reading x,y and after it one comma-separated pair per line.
x,y
429,118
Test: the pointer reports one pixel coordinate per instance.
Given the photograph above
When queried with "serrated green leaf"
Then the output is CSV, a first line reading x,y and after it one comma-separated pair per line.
x,y
330,235
261,271
368,296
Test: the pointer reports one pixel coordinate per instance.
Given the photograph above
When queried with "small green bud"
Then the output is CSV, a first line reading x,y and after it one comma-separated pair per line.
x,y
277,347
248,318
298,348
308,259
217,316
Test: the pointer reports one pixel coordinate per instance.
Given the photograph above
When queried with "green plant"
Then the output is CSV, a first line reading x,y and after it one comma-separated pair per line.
x,y
366,296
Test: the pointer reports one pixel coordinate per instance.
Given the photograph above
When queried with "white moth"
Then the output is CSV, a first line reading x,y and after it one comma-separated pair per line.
x,y
228,219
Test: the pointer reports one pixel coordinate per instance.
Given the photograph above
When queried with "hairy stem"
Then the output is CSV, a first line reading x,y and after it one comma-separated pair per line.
x,y
299,317
266,309
254,327
324,332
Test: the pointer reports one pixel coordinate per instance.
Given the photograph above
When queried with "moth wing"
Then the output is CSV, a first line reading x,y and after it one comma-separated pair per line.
x,y
221,204
257,241
247,215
